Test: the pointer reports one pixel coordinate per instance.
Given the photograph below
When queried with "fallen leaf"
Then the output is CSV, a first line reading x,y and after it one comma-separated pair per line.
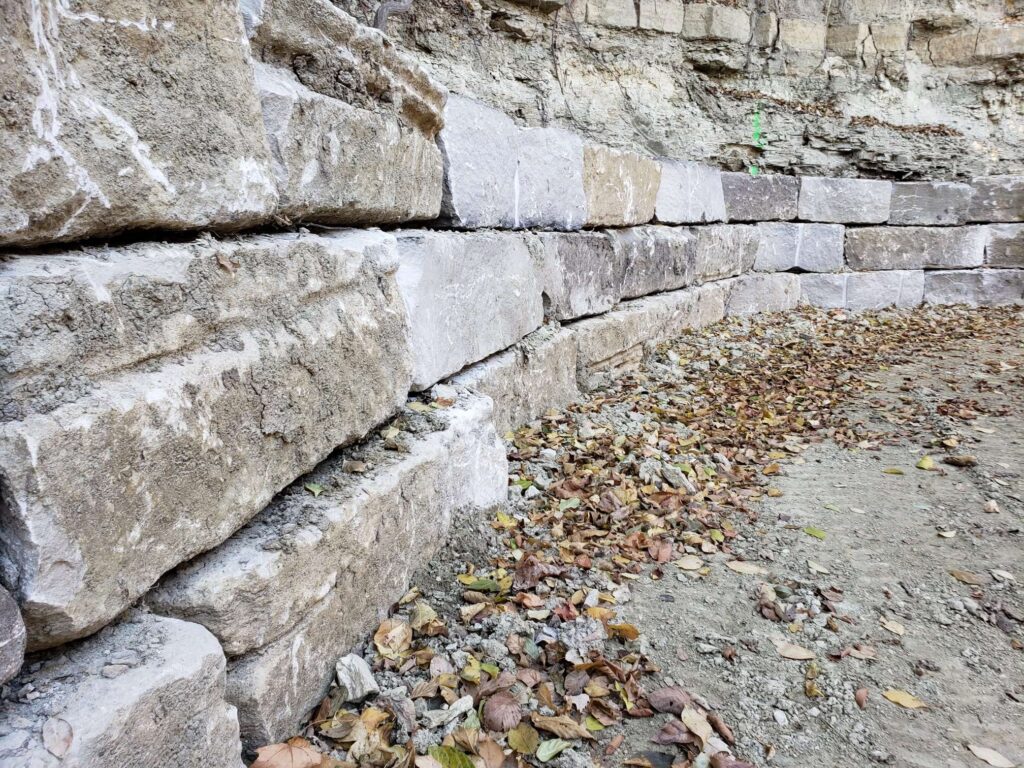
x,y
904,699
893,626
947,534
450,757
57,736
990,756
295,753
550,748
966,577
502,712
689,563
524,739
672,699
742,566
562,726
815,532
816,568
926,463
393,639
315,488
960,461
791,651
892,471
698,724
861,697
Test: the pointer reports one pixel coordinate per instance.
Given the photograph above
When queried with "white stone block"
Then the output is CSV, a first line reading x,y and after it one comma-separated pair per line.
x,y
689,193
807,247
845,201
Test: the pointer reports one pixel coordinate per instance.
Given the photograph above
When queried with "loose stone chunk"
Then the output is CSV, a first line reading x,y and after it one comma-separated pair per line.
x,y
845,201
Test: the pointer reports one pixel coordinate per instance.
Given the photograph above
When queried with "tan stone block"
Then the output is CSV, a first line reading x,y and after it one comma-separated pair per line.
x,y
1000,42
612,13
621,187
662,15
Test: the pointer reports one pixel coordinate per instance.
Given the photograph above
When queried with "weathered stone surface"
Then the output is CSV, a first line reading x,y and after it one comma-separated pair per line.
x,y
1000,42
689,193
977,287
620,187
145,691
845,201
863,290
352,532
189,382
467,295
1005,246
85,155
578,271
807,247
653,259
872,248
823,290
479,148
725,250
703,21
801,44
549,180
12,637
537,374
612,13
930,202
997,199
662,15
760,198
751,294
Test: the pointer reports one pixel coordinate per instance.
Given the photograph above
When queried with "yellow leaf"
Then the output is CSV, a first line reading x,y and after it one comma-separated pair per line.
x,y
966,577
926,463
791,651
892,471
904,699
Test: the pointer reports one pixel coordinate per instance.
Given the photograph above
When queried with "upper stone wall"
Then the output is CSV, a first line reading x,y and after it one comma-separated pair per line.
x,y
887,88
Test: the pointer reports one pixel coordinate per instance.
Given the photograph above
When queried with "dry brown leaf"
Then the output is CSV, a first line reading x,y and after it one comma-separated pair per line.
x,y
893,626
562,726
791,651
966,577
672,699
502,712
689,563
861,697
698,724
393,639
294,753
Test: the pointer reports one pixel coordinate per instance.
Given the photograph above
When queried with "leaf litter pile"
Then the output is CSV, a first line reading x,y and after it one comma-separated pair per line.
x,y
518,657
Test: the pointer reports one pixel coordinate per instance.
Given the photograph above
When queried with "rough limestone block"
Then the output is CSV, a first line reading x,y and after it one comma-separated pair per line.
x,y
849,40
997,199
877,290
930,202
146,691
467,295
662,15
752,294
1005,246
807,247
890,38
801,44
953,50
760,198
579,274
351,556
12,637
620,187
612,13
689,193
1000,42
549,180
703,21
844,201
189,382
823,290
653,259
112,123
534,376
872,248
479,147
977,287
725,250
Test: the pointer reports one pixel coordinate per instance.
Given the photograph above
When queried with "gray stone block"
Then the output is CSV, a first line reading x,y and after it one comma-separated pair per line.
x,y
689,193
998,199
537,374
12,637
662,15
760,198
165,134
467,296
579,273
145,691
976,287
823,290
844,201
620,187
725,250
874,248
930,203
807,247
653,259
1005,246
339,573
753,294
704,21
189,383
549,180
877,290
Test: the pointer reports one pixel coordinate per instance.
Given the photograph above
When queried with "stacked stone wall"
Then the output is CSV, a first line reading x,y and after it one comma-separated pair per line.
x,y
268,307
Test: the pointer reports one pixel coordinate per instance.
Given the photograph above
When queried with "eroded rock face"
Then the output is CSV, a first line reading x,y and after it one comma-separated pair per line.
x,y
189,382
116,119
12,637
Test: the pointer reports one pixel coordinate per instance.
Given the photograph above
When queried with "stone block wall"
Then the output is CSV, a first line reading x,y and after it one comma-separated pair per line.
x,y
217,403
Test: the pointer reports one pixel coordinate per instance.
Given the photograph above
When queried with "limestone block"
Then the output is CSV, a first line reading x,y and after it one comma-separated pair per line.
x,y
620,187
479,147
844,201
653,259
977,287
89,145
467,296
849,40
930,202
145,691
534,376
808,247
802,43
893,37
725,250
877,290
823,290
189,382
1005,245
689,193
752,294
549,180
337,571
579,273
662,15
1000,41
760,198
765,29
703,21
872,248
12,637
953,50
612,13
998,199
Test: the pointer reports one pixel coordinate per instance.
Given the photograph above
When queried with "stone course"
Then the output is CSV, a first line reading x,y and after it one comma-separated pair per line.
x,y
930,202
872,248
860,291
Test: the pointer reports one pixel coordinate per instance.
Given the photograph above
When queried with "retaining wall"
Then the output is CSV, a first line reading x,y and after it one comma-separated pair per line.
x,y
213,477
